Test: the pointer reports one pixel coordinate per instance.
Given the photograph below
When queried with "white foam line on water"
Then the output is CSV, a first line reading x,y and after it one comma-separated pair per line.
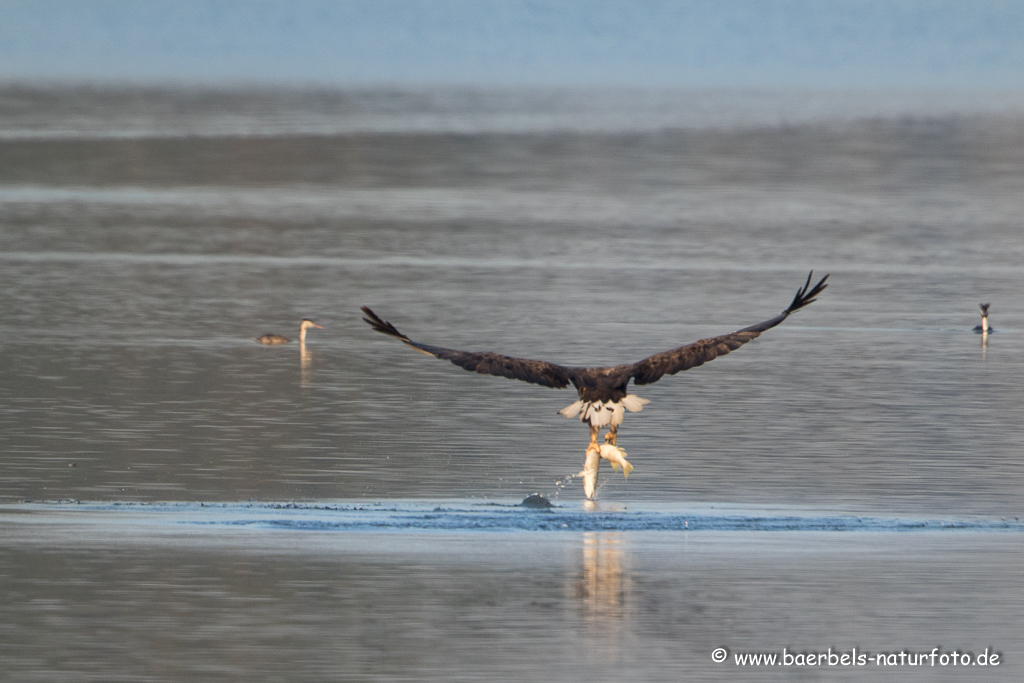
x,y
172,259
445,263
455,262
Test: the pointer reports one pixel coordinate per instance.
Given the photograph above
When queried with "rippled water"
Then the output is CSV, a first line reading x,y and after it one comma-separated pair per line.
x,y
180,592
141,253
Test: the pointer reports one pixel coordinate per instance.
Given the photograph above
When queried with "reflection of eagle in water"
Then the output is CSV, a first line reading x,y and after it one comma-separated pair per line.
x,y
604,395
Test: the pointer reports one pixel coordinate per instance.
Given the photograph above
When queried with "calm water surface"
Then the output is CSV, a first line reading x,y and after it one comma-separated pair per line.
x,y
141,252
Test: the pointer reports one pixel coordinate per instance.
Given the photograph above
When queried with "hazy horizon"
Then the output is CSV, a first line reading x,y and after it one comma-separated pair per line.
x,y
918,44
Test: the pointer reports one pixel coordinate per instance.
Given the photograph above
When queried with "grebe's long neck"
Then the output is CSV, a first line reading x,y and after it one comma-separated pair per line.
x,y
302,335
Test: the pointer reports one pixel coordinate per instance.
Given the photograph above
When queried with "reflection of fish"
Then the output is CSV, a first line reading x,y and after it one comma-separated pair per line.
x,y
278,339
603,591
603,391
983,327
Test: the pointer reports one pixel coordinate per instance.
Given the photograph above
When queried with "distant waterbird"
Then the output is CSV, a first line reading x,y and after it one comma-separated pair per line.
x,y
983,327
603,391
278,339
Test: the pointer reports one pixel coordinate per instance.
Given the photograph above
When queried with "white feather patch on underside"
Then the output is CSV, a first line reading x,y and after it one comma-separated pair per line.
x,y
599,413
604,413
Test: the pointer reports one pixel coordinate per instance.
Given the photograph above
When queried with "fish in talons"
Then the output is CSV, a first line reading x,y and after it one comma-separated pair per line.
x,y
617,457
595,454
598,415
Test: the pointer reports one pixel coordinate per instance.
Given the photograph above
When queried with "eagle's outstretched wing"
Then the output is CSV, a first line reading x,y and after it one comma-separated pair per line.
x,y
648,370
486,363
653,368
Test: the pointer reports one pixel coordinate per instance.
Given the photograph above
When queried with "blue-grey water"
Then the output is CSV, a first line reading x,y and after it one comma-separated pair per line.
x,y
178,502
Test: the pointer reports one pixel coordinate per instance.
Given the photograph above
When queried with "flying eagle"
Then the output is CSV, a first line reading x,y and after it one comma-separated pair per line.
x,y
603,392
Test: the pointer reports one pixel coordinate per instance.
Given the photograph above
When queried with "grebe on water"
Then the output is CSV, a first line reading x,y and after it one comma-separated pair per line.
x,y
983,327
278,339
